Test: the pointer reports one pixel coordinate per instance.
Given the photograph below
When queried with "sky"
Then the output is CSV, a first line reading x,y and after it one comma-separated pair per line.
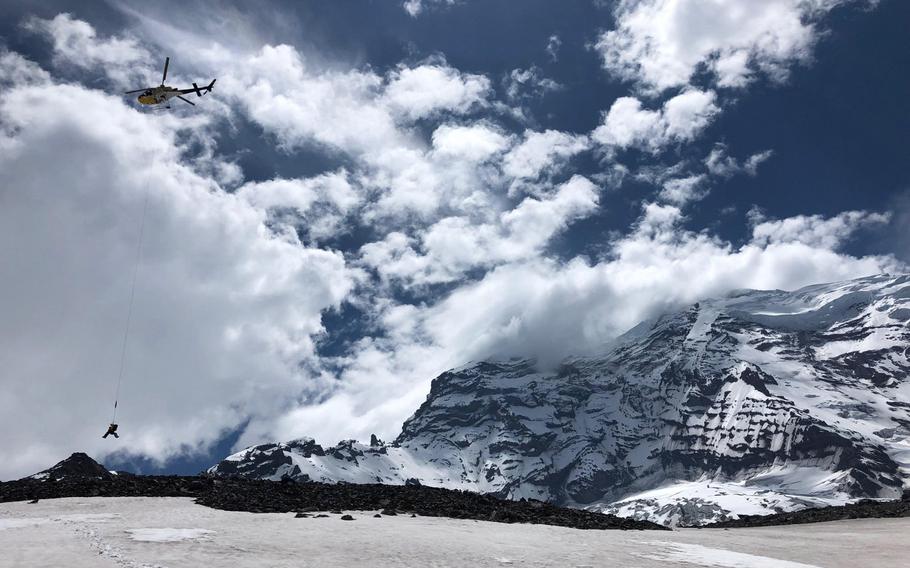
x,y
378,191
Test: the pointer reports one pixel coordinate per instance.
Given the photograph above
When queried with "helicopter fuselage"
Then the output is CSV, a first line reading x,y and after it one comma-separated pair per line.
x,y
157,95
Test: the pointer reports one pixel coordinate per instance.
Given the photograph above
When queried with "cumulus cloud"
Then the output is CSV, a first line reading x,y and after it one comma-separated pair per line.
x,y
76,43
455,245
660,44
366,118
17,70
369,119
815,230
551,309
301,105
315,206
680,119
421,91
473,143
680,191
540,153
227,309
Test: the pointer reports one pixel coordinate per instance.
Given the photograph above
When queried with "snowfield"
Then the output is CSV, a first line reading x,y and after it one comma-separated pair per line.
x,y
145,532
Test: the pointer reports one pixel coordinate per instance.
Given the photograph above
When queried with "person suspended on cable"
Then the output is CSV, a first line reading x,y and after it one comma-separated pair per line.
x,y
111,431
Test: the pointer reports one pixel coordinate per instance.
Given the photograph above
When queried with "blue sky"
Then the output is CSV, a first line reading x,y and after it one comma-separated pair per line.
x,y
379,191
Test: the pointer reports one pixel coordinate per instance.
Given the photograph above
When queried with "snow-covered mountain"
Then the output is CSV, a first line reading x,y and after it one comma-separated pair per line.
x,y
758,402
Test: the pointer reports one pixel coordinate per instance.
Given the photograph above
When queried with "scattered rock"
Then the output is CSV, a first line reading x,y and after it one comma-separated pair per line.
x,y
33,501
301,516
377,516
347,518
321,516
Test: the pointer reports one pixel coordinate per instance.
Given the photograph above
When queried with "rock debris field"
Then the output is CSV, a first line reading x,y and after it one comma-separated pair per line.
x,y
79,476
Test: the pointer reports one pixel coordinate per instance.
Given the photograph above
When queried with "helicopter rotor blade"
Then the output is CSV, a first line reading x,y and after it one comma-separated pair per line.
x,y
186,101
136,91
167,60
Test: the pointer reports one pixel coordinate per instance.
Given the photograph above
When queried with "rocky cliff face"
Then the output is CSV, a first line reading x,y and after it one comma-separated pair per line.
x,y
759,402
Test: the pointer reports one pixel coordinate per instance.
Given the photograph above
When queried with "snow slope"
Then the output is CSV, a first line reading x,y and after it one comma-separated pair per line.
x,y
146,532
758,402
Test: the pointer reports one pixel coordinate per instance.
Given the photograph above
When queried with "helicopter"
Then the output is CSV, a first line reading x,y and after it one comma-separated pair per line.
x,y
162,94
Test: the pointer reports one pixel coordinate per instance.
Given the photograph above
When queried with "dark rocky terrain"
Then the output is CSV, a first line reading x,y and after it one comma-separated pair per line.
x,y
865,509
80,476
77,465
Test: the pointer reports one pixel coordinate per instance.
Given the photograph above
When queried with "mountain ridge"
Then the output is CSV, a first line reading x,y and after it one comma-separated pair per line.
x,y
757,402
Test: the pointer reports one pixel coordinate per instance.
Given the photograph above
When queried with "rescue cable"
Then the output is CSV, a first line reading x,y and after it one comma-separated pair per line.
x,y
129,311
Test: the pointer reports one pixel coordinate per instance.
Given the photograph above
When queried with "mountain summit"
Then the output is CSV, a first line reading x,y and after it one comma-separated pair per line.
x,y
78,465
757,402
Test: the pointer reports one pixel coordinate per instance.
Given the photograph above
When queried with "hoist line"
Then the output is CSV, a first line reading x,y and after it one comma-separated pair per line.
x,y
129,311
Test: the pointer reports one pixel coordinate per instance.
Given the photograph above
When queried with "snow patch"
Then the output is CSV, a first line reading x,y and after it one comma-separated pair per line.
x,y
716,557
89,518
6,524
167,534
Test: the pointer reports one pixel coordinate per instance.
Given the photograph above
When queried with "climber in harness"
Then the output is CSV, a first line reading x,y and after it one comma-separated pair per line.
x,y
111,431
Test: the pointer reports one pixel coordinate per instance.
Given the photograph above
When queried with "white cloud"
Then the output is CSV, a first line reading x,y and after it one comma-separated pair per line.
x,y
17,70
317,206
413,7
535,220
474,143
660,44
720,163
553,45
226,309
76,43
302,105
368,118
418,92
686,114
680,119
528,83
455,245
755,160
542,153
549,309
815,230
680,191
416,7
